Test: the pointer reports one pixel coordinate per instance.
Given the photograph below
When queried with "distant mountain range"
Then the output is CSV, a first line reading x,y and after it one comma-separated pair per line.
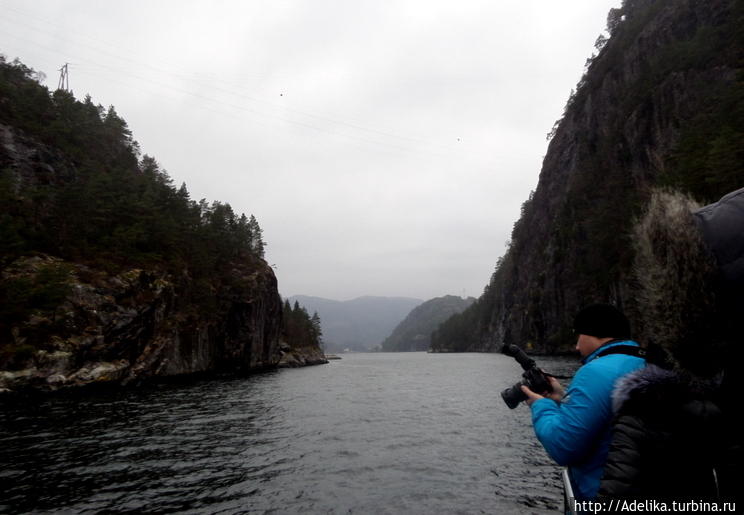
x,y
414,332
359,324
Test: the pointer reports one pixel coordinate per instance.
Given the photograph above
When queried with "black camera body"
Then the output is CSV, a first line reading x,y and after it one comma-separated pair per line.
x,y
532,377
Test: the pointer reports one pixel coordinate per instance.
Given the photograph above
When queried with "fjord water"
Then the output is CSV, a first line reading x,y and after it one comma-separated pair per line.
x,y
371,433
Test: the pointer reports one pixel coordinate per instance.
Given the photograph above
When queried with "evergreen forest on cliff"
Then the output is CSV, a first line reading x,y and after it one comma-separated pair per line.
x,y
661,104
81,210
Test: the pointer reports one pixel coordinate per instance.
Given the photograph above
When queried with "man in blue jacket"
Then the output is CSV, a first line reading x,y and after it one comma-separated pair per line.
x,y
575,427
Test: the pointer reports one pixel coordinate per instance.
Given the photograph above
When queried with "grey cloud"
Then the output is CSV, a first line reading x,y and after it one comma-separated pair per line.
x,y
384,146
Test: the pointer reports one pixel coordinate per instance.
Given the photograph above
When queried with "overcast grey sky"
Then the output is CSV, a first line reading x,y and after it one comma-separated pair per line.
x,y
385,147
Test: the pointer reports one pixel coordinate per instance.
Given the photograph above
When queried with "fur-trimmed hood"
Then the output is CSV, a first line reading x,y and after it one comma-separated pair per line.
x,y
686,258
721,225
654,387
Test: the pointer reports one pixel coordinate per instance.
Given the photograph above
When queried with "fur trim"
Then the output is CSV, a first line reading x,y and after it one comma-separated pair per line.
x,y
674,276
640,382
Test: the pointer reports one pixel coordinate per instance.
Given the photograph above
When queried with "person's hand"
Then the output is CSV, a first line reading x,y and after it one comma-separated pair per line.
x,y
531,396
558,392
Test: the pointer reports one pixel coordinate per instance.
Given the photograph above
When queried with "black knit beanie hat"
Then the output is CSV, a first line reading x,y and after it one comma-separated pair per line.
x,y
602,321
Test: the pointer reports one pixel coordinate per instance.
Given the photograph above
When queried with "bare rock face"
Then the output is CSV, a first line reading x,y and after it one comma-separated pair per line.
x,y
620,136
32,162
654,108
130,326
294,357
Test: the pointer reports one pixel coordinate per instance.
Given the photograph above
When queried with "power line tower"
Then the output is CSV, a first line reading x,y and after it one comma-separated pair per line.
x,y
64,78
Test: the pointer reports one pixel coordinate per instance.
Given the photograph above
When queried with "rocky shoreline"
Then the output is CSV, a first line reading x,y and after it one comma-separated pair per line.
x,y
301,357
31,384
128,328
105,376
109,275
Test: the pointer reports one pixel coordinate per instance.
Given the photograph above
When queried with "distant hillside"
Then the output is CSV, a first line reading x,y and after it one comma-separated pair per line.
x,y
414,332
661,104
360,324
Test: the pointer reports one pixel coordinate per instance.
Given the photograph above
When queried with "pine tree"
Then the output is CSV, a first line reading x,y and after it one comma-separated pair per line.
x,y
257,243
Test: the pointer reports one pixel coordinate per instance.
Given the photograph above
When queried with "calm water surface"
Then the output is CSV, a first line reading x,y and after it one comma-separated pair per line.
x,y
371,433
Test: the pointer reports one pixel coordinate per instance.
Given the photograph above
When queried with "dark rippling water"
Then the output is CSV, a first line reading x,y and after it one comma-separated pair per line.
x,y
372,433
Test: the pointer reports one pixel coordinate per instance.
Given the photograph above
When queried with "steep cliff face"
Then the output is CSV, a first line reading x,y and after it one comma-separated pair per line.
x,y
660,105
107,272
127,327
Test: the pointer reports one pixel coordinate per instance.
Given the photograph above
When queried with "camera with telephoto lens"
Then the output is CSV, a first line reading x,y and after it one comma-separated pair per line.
x,y
534,378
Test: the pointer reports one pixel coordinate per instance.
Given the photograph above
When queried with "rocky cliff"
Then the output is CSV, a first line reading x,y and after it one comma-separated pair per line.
x,y
661,104
108,273
127,327
301,356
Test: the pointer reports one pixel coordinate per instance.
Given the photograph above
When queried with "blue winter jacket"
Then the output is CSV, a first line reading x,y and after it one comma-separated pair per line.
x,y
576,431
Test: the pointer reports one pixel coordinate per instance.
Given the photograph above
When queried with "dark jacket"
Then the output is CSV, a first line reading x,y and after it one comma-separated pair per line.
x,y
669,439
675,434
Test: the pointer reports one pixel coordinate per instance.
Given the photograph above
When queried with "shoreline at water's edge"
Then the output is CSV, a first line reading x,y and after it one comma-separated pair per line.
x,y
295,357
83,389
27,391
